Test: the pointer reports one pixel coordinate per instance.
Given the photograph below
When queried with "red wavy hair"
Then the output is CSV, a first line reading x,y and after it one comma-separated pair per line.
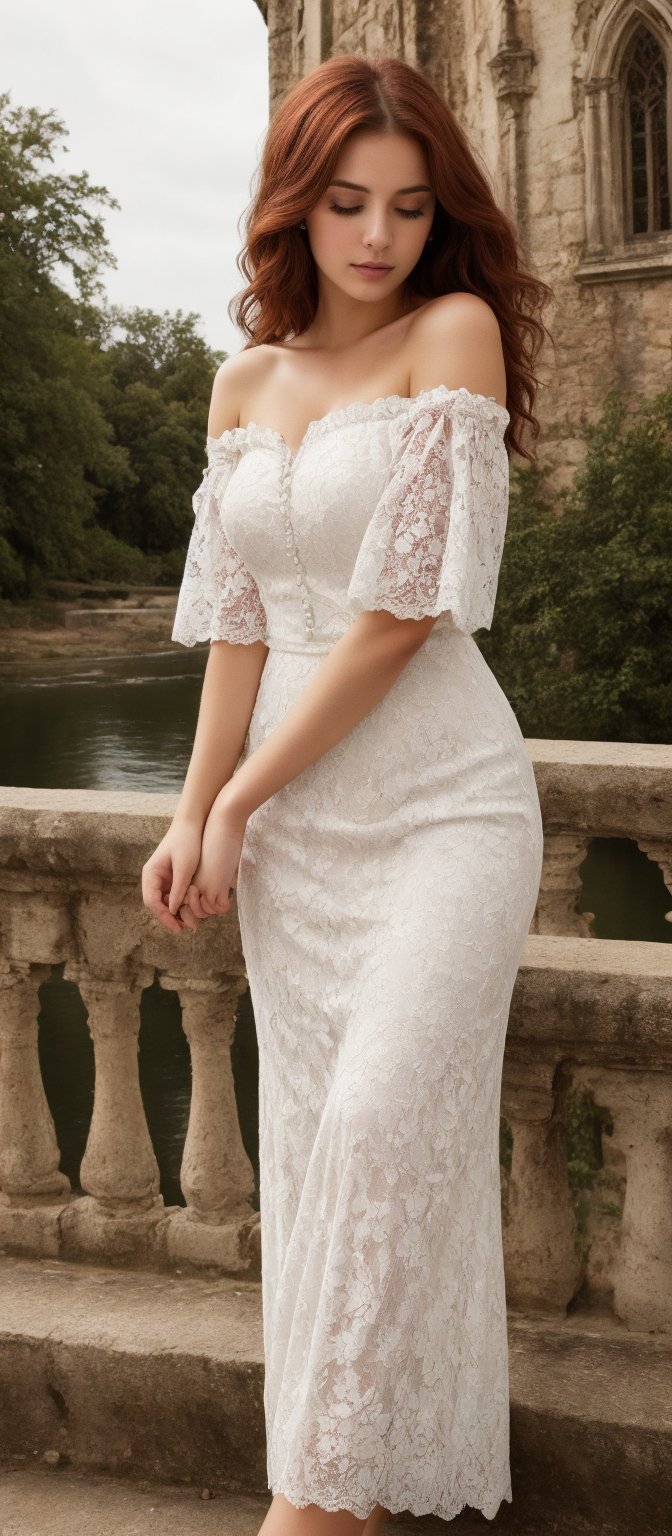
x,y
475,246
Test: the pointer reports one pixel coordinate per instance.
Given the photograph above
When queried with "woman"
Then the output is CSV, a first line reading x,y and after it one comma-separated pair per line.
x,y
382,829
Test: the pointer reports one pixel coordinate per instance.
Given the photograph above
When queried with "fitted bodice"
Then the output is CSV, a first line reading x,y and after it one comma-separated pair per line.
x,y
396,503
305,515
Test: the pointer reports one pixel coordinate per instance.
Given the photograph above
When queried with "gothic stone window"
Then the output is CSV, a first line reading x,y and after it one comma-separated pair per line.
x,y
646,160
628,144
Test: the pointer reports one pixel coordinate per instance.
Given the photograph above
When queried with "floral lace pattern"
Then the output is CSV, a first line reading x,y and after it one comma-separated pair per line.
x,y
218,598
436,538
432,544
384,897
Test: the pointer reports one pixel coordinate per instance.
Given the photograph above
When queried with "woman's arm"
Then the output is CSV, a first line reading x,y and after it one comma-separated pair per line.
x,y
228,695
358,672
233,672
227,700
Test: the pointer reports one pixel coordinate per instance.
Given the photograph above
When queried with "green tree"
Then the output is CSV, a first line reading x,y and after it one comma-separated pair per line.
x,y
582,638
521,647
53,431
159,375
615,536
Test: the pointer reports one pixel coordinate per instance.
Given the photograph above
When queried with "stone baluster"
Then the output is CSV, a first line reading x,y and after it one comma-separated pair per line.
x,y
640,1103
560,886
661,853
217,1177
119,1168
119,1173
29,1153
542,1267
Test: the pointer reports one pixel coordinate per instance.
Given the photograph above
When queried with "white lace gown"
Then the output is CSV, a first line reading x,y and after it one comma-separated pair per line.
x,y
384,896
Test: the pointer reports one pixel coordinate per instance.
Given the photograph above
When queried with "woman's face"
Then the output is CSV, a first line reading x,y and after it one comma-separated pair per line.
x,y
383,216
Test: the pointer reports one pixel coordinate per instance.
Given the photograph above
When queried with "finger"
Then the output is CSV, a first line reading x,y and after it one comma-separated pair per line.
x,y
159,910
192,900
188,917
202,904
173,924
154,882
181,879
153,885
155,903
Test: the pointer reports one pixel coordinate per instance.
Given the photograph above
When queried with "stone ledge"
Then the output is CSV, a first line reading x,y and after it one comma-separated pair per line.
x,y
596,999
93,618
623,266
162,1376
603,788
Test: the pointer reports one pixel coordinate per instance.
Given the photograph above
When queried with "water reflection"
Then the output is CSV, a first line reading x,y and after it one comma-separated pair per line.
x,y
113,723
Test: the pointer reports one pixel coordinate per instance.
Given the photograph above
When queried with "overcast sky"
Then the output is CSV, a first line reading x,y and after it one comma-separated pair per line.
x,y
166,102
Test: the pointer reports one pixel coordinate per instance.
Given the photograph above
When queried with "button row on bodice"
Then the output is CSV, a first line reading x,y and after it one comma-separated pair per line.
x,y
285,501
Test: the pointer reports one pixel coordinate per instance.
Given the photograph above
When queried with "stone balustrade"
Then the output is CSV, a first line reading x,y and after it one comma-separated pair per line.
x,y
590,1018
591,789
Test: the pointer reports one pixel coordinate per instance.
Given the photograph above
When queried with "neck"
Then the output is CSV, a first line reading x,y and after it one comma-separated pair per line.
x,y
342,321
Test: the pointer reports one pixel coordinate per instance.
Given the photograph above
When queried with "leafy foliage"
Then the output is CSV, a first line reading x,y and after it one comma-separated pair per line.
x,y
582,637
101,411
158,384
47,218
52,430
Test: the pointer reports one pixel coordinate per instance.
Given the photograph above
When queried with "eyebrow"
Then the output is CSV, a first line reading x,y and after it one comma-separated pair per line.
x,y
357,187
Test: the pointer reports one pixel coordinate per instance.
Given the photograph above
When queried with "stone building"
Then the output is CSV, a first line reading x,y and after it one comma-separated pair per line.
x,y
569,103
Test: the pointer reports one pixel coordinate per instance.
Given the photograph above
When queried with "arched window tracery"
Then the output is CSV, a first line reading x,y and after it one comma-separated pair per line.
x,y
627,92
646,159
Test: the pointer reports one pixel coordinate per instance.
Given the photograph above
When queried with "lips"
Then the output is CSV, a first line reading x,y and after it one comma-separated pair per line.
x,y
373,266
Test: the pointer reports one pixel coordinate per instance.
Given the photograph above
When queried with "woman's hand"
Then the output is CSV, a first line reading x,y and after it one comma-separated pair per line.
x,y
208,893
167,874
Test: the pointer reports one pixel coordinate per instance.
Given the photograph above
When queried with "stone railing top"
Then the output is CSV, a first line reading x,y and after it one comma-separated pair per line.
x,y
639,958
601,754
106,832
604,788
598,998
608,788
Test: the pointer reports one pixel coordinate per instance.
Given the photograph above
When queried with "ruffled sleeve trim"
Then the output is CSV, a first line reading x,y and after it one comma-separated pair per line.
x,y
434,542
219,598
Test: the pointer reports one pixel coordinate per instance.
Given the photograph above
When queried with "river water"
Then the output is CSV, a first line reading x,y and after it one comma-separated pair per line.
x,y
128,723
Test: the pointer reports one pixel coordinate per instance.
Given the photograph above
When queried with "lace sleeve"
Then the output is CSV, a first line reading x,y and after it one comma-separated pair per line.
x,y
435,539
219,598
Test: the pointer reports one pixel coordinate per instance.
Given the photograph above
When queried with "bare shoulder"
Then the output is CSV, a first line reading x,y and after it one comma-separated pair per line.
x,y
234,378
456,340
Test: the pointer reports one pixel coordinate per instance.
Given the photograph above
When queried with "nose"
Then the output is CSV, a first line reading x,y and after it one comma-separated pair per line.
x,y
378,236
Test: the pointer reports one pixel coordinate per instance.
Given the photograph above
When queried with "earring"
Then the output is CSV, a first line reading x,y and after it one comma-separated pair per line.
x,y
302,225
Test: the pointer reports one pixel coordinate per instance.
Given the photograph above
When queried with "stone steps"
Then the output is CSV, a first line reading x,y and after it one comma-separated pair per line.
x,y
136,1374
57,1502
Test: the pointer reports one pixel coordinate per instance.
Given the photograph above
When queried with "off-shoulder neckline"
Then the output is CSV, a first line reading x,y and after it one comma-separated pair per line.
x,y
357,410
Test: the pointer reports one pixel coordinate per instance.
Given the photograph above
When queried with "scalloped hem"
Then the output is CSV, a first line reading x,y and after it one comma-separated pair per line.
x,y
301,1500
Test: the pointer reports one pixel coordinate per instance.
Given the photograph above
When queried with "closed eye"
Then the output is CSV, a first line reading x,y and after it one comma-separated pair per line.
x,y
406,213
